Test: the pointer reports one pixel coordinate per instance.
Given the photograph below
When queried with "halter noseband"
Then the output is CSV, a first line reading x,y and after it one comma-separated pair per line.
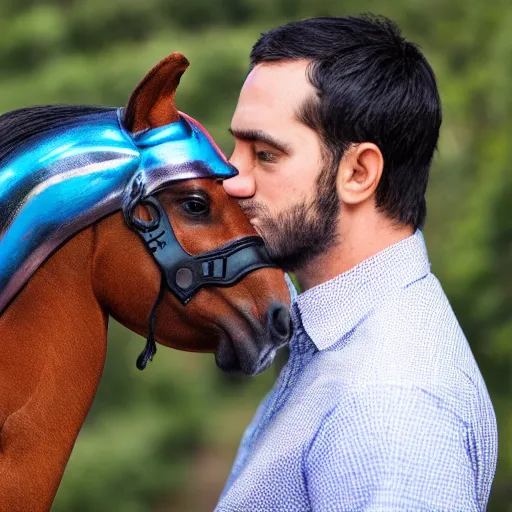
x,y
184,273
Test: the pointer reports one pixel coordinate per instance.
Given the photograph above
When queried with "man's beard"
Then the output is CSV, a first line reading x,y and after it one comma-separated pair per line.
x,y
304,231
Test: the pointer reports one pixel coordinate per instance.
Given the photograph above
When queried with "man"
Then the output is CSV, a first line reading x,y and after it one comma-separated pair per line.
x,y
381,406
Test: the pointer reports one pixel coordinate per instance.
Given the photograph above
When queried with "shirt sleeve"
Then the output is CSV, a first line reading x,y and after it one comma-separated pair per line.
x,y
390,448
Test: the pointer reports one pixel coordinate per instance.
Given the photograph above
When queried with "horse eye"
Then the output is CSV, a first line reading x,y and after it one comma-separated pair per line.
x,y
196,207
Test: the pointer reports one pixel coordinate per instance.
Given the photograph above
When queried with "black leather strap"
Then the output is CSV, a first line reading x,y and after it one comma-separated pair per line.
x,y
186,274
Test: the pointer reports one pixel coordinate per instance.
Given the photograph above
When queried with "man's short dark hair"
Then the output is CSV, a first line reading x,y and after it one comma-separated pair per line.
x,y
372,86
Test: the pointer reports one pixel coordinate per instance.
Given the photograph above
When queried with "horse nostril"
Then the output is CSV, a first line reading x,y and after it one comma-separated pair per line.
x,y
280,320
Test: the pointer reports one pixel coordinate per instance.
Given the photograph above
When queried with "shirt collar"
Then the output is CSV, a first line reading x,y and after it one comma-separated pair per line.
x,y
332,309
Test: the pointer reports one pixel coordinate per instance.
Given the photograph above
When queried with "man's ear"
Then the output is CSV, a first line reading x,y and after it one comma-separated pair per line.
x,y
151,104
359,172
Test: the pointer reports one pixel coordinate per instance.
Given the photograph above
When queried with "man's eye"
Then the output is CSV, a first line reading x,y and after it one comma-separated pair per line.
x,y
196,207
265,156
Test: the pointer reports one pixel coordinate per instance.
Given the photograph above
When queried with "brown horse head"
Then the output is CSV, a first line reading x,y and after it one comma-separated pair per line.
x,y
243,324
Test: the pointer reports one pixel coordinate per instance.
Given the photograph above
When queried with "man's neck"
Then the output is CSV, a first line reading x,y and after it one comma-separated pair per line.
x,y
356,243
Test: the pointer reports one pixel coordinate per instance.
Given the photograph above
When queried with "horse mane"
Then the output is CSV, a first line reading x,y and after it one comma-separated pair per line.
x,y
20,126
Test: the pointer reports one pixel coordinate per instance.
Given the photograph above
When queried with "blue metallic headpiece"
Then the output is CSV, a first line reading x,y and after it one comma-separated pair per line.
x,y
59,183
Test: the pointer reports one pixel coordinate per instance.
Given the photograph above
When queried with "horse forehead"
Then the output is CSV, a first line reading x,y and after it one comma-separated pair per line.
x,y
181,151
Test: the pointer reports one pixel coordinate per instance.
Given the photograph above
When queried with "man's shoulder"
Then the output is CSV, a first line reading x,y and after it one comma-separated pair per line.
x,y
416,321
419,308
411,337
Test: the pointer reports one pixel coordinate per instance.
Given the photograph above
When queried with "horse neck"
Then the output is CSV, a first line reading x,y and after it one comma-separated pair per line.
x,y
53,343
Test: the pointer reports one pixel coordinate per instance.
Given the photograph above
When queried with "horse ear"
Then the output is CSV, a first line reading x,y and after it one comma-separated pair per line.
x,y
152,102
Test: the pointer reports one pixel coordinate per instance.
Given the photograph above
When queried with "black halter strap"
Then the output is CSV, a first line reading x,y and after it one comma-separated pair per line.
x,y
186,274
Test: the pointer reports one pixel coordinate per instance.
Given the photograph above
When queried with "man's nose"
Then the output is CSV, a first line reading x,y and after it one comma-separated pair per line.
x,y
242,185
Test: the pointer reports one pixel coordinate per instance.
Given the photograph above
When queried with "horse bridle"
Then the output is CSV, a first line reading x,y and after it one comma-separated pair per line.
x,y
183,273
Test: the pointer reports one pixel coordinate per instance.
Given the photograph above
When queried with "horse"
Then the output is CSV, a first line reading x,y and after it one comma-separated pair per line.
x,y
122,213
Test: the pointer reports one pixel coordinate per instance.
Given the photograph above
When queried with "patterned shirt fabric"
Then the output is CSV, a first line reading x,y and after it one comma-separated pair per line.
x,y
380,407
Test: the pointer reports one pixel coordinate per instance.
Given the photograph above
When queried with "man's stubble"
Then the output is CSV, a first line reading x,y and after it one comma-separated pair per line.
x,y
305,230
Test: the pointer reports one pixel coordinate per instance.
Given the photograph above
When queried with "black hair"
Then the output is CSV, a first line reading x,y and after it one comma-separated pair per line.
x,y
19,126
372,86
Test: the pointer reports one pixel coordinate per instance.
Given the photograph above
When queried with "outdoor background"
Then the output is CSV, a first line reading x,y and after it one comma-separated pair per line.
x,y
164,439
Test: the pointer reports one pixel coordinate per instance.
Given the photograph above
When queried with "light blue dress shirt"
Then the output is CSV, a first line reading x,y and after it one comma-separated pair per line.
x,y
381,406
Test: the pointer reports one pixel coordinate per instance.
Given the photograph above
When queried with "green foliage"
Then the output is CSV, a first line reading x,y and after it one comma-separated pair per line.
x,y
138,448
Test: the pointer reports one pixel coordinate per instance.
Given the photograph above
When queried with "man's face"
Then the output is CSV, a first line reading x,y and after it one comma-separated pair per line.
x,y
286,185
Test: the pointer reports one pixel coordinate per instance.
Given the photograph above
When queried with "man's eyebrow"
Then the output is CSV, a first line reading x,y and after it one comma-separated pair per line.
x,y
260,136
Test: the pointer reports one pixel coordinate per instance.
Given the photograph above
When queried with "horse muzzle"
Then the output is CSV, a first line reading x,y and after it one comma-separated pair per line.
x,y
251,352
